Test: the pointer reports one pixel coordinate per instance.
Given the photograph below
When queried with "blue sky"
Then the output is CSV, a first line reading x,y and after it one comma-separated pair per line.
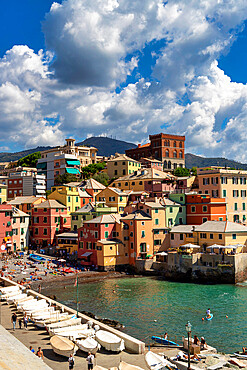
x,y
106,71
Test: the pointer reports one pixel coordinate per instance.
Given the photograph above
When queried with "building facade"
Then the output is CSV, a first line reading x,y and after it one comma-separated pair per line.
x,y
169,149
26,183
121,165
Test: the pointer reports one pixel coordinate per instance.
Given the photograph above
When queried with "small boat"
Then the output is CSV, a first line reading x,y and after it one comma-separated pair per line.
x,y
157,362
76,332
237,362
9,289
88,345
71,322
110,341
10,294
12,299
210,318
62,317
164,341
125,366
241,355
63,346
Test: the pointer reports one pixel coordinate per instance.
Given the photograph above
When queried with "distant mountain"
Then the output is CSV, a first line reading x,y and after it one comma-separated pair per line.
x,y
192,160
107,146
10,157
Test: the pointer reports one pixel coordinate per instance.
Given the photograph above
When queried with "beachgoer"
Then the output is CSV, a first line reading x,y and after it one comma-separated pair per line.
x,y
196,340
40,354
90,359
25,319
166,336
39,288
20,323
244,350
71,361
14,319
203,343
208,313
31,349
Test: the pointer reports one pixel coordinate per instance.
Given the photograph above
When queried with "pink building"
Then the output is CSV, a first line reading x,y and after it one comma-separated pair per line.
x,y
102,227
48,219
5,227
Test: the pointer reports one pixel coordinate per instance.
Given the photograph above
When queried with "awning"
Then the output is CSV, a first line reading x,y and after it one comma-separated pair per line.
x,y
74,162
86,254
73,171
161,254
42,166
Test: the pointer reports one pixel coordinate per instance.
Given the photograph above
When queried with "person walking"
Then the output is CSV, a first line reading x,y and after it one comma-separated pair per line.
x,y
25,320
20,323
14,319
40,354
71,361
90,359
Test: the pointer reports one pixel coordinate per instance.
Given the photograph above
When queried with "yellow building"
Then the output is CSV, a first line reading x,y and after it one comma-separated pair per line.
x,y
67,195
3,193
113,197
122,165
229,184
67,243
111,253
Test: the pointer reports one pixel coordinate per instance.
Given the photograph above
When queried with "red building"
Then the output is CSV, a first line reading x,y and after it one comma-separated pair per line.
x,y
169,149
102,227
48,219
202,208
6,212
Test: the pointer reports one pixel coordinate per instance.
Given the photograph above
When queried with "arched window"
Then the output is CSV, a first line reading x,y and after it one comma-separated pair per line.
x,y
167,143
175,154
175,165
174,144
167,153
180,144
180,154
169,165
165,164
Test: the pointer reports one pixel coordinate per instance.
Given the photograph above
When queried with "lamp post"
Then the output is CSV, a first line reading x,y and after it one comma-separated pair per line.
x,y
188,329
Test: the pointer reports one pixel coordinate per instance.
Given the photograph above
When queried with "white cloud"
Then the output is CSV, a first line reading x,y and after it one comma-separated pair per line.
x,y
92,48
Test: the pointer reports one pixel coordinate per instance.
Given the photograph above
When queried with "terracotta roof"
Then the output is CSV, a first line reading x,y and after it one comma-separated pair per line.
x,y
85,209
153,205
23,200
137,215
147,173
91,184
169,202
105,219
182,229
122,157
19,213
221,227
50,203
118,191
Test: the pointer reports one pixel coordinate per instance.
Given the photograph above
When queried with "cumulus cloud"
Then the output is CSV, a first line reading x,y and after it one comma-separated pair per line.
x,y
91,80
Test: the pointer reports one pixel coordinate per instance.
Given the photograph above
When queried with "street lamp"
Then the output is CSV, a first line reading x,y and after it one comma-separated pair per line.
x,y
188,329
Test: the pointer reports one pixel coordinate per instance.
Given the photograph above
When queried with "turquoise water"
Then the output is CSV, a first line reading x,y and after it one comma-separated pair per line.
x,y
136,303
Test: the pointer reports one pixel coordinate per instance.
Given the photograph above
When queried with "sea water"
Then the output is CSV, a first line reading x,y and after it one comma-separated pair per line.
x,y
149,306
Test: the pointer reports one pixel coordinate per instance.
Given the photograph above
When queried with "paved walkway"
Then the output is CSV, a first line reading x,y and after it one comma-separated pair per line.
x,y
39,338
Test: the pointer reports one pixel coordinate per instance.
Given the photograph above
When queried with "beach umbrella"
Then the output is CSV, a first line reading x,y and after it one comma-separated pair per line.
x,y
61,260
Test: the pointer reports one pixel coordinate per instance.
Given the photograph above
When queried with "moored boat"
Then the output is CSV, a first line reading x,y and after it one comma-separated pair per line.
x,y
157,362
71,322
242,355
110,341
63,346
164,341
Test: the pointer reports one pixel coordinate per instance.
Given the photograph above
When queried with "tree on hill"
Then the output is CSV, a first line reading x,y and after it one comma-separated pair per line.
x,y
103,178
180,172
92,169
193,171
30,160
65,179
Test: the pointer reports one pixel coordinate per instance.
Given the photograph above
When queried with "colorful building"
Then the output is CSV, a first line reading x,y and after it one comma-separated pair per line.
x,y
202,208
48,219
26,204
92,187
67,244
175,212
113,197
99,228
121,165
152,163
111,255
3,193
6,212
169,149
229,184
26,183
156,183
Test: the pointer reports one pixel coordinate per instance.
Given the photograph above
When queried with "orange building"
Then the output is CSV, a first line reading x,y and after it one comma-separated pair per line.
x,y
202,208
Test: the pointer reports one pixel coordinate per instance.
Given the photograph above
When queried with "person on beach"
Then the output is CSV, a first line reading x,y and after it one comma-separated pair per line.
x,y
208,313
71,361
31,349
25,319
14,319
166,336
39,288
20,323
203,343
196,340
90,359
40,354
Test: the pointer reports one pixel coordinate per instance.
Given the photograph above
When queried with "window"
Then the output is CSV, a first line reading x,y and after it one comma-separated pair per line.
x,y
167,153
131,234
115,172
243,206
235,181
235,206
223,180
36,231
45,220
204,209
220,236
203,235
143,234
181,236
171,209
174,144
45,231
224,193
126,184
234,236
143,223
211,236
133,183
111,199
156,221
235,193
157,242
172,236
106,225
180,209
175,154
156,232
106,234
156,210
193,209
204,219
180,154
124,173
132,245
68,199
243,193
